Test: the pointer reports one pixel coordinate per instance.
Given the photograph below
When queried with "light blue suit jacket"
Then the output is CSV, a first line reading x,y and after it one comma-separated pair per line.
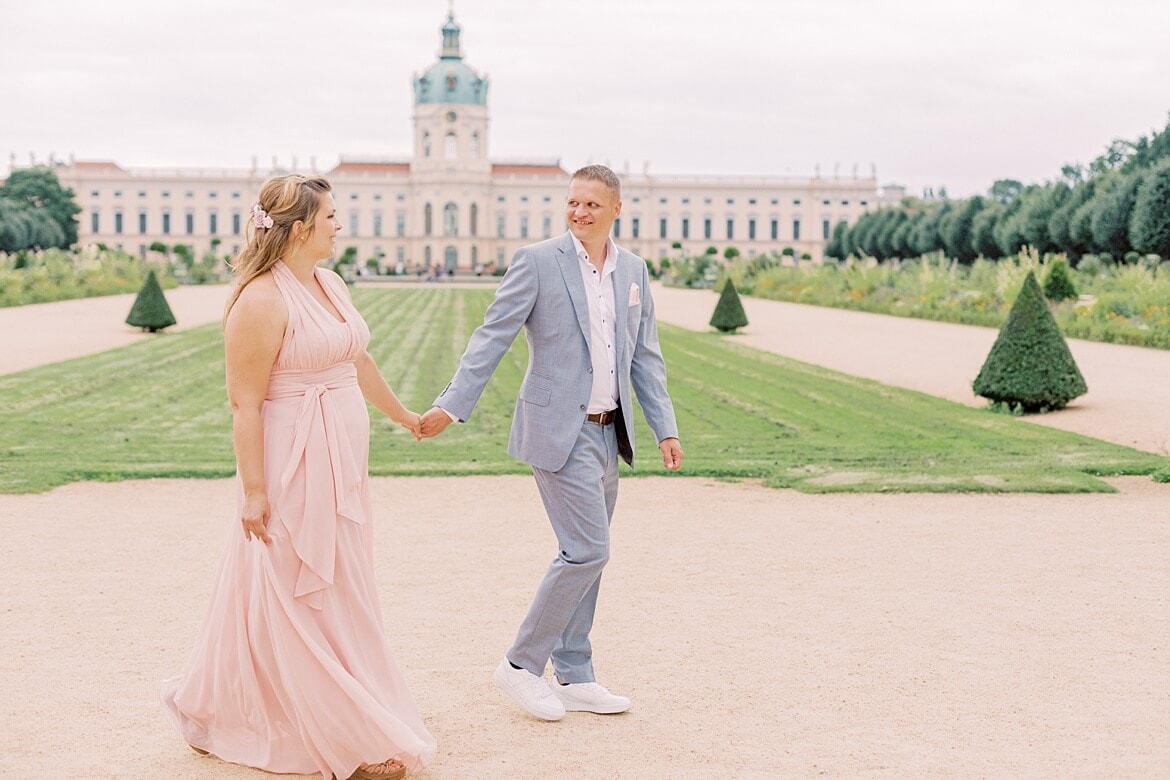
x,y
543,292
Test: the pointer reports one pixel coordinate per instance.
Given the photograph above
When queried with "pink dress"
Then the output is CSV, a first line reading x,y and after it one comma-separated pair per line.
x,y
291,671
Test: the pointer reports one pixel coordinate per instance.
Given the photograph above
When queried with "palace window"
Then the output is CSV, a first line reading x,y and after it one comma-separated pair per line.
x,y
634,226
235,222
523,226
751,230
796,230
662,227
400,224
427,220
166,222
686,227
118,222
212,222
450,220
730,228
500,225
450,147
707,227
473,216
142,222
378,223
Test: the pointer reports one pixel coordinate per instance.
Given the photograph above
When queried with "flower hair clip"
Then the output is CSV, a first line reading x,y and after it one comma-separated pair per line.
x,y
260,217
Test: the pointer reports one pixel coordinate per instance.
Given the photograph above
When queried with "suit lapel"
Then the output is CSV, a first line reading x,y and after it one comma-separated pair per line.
x,y
571,271
621,305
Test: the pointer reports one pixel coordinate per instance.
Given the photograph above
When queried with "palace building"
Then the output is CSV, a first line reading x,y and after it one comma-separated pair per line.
x,y
448,203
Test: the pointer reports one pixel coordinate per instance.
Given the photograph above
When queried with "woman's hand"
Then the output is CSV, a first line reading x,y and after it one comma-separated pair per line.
x,y
413,423
255,518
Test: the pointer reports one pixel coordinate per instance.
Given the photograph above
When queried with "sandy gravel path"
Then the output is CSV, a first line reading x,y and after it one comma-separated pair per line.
x,y
760,633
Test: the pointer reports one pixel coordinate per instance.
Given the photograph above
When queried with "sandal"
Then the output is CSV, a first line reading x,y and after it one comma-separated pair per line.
x,y
396,767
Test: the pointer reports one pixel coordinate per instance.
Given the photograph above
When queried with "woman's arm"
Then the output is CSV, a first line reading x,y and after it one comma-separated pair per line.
x,y
252,337
378,392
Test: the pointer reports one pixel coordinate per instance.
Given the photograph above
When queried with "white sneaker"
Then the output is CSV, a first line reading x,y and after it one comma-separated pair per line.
x,y
590,697
530,692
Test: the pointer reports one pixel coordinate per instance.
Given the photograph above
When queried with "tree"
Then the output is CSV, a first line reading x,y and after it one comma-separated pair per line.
x,y
1005,190
1030,366
926,234
730,253
38,188
1060,224
1149,227
887,248
957,236
151,311
983,241
729,314
836,244
1058,286
1112,212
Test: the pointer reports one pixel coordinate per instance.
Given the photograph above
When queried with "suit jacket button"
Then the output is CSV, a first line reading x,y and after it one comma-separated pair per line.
x,y
582,407
590,370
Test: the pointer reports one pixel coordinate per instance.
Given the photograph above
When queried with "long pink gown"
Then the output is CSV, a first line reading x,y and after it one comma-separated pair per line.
x,y
291,671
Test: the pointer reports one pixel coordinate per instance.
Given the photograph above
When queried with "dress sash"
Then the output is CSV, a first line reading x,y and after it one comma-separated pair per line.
x,y
321,453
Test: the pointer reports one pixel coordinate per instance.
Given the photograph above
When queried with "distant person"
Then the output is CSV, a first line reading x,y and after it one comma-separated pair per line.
x,y
585,305
291,671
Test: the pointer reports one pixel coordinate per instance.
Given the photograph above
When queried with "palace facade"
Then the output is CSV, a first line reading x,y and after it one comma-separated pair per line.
x,y
450,204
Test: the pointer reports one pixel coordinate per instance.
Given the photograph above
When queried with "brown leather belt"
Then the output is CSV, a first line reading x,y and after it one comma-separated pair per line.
x,y
602,418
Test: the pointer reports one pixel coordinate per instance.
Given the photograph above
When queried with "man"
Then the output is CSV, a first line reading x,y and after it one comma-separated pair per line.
x,y
586,308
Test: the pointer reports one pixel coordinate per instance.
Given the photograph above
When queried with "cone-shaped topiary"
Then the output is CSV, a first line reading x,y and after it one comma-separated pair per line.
x,y
150,310
1029,366
729,313
1058,285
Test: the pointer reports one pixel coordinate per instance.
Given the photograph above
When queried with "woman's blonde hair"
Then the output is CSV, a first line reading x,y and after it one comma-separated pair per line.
x,y
285,200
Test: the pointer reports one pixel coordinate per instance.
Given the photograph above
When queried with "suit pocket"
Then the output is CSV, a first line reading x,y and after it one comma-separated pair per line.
x,y
535,391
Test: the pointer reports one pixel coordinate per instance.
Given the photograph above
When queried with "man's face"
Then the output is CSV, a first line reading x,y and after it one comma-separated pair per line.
x,y
591,209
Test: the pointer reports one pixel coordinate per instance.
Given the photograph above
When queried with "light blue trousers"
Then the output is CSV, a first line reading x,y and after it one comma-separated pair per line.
x,y
579,500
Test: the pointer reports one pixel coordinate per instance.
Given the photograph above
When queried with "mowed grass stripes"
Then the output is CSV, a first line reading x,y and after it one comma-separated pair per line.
x,y
158,409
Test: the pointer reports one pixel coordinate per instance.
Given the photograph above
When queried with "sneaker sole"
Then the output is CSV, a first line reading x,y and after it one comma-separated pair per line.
x,y
595,710
502,683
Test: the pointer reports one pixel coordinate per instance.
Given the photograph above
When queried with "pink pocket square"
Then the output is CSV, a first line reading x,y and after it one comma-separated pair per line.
x,y
635,295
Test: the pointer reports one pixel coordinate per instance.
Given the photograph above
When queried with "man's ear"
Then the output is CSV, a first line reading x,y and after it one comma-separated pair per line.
x,y
617,212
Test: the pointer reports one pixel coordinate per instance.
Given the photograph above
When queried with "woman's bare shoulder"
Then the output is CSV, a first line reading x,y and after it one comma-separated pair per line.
x,y
260,299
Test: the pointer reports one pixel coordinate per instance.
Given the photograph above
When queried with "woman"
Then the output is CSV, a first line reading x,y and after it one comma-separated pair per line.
x,y
291,671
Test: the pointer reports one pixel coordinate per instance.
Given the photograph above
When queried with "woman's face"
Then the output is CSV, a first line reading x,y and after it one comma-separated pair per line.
x,y
322,238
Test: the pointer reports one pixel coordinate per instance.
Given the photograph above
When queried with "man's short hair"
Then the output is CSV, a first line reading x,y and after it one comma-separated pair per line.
x,y
602,174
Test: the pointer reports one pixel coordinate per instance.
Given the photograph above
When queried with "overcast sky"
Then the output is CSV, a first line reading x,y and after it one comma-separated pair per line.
x,y
953,93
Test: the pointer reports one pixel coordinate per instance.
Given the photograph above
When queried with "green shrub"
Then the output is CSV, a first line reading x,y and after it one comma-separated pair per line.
x,y
1058,286
1030,365
150,310
729,314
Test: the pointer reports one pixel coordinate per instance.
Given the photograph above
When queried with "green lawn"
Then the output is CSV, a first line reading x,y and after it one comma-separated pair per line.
x,y
158,408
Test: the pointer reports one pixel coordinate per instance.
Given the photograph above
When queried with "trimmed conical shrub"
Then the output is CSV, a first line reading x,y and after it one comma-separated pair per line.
x,y
1058,285
1030,367
150,310
729,313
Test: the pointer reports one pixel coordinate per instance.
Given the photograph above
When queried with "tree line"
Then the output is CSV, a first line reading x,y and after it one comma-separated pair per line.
x,y
1116,207
36,212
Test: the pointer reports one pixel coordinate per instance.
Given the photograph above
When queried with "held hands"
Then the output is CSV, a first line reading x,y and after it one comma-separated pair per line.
x,y
412,422
255,518
434,422
672,454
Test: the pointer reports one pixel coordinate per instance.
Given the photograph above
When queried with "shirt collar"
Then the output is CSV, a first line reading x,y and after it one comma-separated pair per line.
x,y
611,251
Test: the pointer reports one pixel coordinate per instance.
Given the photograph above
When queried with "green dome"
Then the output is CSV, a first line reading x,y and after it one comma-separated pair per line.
x,y
451,80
